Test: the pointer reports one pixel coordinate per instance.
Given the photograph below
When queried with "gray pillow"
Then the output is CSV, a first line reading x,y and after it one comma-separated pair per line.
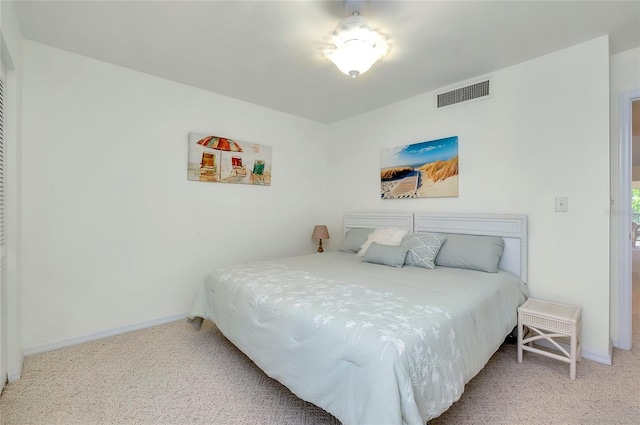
x,y
423,248
471,252
354,239
388,255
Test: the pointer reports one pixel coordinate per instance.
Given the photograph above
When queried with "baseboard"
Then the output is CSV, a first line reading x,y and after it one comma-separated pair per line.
x,y
589,355
28,351
14,375
599,358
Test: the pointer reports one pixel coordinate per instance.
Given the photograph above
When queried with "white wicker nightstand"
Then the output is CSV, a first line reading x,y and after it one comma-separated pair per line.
x,y
546,320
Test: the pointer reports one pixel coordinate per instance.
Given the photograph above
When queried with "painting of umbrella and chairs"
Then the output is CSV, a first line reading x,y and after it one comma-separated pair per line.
x,y
219,159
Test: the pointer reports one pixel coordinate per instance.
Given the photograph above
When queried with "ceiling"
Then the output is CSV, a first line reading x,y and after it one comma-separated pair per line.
x,y
269,52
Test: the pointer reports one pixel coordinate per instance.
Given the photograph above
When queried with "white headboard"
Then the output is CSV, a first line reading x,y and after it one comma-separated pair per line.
x,y
512,228
377,220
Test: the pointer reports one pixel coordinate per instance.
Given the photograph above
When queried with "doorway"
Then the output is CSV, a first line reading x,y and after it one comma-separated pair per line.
x,y
627,163
4,362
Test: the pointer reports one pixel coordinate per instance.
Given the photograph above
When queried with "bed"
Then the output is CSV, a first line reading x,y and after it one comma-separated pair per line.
x,y
370,343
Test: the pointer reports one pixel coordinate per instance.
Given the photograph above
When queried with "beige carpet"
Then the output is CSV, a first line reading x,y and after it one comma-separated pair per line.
x,y
172,374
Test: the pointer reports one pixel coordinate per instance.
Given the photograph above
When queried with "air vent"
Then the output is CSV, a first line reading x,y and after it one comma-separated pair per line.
x,y
463,94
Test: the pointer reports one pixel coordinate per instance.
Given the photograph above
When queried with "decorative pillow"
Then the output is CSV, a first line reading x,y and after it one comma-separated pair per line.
x,y
422,249
386,236
354,239
471,252
388,255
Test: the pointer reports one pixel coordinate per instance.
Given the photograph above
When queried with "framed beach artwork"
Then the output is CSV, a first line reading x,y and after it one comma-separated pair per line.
x,y
219,159
421,170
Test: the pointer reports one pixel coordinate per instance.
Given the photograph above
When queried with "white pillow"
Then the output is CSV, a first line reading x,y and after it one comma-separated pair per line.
x,y
387,236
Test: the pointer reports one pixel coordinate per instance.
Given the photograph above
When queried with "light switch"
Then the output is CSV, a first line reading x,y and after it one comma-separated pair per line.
x,y
562,204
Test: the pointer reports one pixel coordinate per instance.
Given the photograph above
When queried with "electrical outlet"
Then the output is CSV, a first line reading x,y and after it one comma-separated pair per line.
x,y
562,204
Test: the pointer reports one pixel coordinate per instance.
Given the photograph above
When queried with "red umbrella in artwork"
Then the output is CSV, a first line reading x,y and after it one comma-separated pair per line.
x,y
220,144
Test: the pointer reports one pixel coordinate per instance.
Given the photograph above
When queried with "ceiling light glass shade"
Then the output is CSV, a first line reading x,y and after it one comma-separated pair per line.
x,y
354,57
358,47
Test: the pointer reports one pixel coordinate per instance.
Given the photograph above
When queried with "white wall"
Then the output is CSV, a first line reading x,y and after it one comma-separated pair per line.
x,y
114,234
11,51
517,152
625,76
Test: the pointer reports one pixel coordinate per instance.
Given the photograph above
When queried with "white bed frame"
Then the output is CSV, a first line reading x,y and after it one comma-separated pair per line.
x,y
378,220
512,228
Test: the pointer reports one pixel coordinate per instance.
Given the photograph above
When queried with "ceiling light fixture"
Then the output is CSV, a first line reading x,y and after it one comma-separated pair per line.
x,y
358,46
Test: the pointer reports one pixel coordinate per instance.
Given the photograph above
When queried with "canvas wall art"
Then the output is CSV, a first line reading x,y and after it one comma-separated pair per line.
x,y
219,159
421,170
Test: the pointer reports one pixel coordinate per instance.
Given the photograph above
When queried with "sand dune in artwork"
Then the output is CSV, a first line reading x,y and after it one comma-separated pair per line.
x,y
394,173
441,188
440,170
437,179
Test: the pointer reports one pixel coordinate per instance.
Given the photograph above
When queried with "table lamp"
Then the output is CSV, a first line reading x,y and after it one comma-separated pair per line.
x,y
320,232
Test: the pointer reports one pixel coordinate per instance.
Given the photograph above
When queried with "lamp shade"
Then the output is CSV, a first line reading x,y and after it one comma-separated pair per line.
x,y
355,57
320,232
358,46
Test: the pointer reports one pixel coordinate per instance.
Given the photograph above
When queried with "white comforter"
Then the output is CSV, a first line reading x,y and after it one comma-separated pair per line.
x,y
370,344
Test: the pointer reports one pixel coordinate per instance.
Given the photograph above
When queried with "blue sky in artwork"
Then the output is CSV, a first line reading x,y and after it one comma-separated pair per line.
x,y
420,153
